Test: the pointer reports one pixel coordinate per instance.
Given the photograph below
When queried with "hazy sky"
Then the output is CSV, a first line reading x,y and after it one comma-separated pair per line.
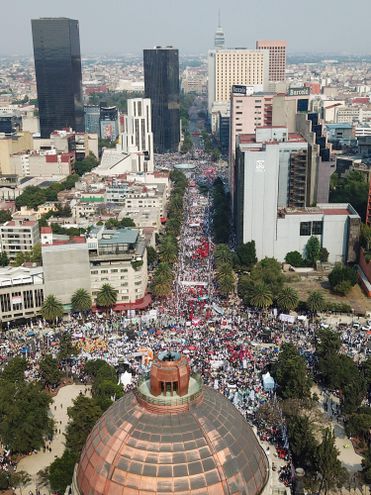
x,y
128,26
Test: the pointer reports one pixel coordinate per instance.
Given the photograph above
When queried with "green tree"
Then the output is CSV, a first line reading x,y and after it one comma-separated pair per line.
x,y
20,479
343,288
353,189
223,254
5,216
24,416
316,302
303,446
294,258
81,301
152,255
168,249
268,271
328,465
14,370
86,165
106,297
323,255
288,299
291,375
225,278
82,417
52,308
247,254
341,274
66,347
4,260
61,471
50,374
312,250
260,295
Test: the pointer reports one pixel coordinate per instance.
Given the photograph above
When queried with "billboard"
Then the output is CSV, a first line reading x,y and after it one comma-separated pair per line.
x,y
238,89
299,92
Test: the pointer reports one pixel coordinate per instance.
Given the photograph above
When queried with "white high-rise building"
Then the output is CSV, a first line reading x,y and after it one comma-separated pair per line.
x,y
137,138
236,66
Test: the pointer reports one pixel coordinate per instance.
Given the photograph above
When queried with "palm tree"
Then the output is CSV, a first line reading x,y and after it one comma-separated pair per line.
x,y
260,295
52,308
107,296
81,300
168,249
222,254
288,299
226,283
20,479
162,288
316,302
163,270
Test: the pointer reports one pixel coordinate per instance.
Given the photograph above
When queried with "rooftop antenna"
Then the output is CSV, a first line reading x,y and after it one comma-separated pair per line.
x,y
219,24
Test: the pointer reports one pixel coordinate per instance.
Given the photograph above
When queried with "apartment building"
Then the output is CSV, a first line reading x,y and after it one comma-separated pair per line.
x,y
17,236
21,292
277,58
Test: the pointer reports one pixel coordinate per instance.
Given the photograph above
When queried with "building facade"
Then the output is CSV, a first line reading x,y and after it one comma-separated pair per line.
x,y
91,118
137,138
58,74
18,237
109,126
161,83
235,66
277,58
21,292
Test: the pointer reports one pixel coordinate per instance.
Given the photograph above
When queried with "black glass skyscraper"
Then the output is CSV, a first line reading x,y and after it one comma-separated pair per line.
x,y
161,84
56,45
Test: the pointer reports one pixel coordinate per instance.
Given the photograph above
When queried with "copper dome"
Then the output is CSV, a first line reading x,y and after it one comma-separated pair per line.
x,y
200,445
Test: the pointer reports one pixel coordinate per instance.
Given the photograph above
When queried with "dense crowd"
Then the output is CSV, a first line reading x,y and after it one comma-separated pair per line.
x,y
230,347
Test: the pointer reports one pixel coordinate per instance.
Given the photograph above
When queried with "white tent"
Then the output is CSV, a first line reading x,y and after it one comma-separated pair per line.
x,y
268,382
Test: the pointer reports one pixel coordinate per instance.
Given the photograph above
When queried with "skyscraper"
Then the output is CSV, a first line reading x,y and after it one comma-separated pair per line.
x,y
161,85
58,74
277,58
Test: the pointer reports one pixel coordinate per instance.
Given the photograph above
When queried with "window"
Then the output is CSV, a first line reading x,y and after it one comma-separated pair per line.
x,y
317,228
305,228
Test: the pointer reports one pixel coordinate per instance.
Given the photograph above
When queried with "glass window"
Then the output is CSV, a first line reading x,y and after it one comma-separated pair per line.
x,y
305,228
317,228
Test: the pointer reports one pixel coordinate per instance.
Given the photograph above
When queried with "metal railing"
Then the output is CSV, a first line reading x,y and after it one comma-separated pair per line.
x,y
171,400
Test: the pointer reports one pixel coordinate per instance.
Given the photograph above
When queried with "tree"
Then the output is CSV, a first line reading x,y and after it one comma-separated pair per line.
x,y
225,278
294,258
342,278
303,444
66,348
52,308
24,416
316,302
312,250
152,255
260,295
82,417
328,465
107,296
353,189
86,165
291,375
323,255
5,216
20,479
4,260
247,254
14,370
268,271
168,249
61,471
223,254
288,299
50,374
81,301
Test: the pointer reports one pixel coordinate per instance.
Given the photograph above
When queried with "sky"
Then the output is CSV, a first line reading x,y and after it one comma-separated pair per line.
x,y
127,26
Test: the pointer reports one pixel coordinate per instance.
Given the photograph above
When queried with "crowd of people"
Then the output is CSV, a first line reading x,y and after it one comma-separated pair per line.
x,y
229,346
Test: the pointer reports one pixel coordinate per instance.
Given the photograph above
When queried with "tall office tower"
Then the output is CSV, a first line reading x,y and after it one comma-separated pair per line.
x,y
137,138
277,58
228,67
56,45
109,122
92,117
219,39
161,85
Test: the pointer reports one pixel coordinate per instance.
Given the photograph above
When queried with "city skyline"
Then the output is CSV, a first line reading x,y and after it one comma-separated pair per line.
x,y
192,30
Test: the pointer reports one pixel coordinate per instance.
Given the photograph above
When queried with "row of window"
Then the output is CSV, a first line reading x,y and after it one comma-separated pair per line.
x,y
311,228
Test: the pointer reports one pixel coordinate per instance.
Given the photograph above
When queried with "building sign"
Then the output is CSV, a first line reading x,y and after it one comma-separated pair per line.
x,y
238,89
260,165
299,92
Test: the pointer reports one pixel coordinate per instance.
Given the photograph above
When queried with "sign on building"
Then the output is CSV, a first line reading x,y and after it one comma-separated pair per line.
x,y
299,92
